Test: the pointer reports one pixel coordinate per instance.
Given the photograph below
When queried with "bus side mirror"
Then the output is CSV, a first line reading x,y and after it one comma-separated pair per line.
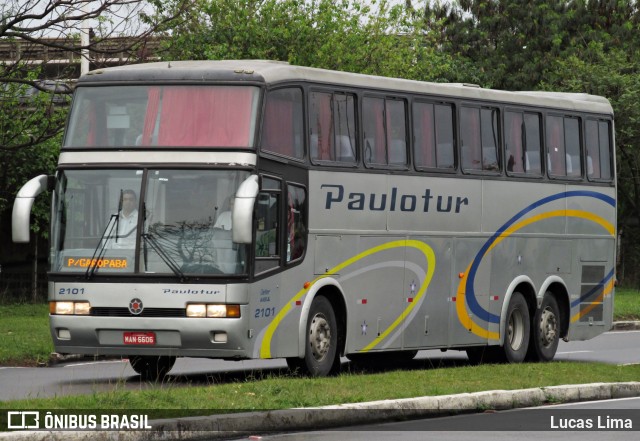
x,y
242,215
22,207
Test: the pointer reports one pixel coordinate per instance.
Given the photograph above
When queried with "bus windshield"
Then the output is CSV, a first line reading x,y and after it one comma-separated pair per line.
x,y
163,116
180,225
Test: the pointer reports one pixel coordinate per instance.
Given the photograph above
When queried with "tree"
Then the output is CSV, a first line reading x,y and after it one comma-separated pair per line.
x,y
35,86
367,37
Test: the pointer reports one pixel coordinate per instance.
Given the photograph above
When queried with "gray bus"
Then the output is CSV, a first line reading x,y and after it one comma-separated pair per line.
x,y
255,209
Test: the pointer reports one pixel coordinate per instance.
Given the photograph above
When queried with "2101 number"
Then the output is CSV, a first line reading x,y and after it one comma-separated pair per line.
x,y
265,312
73,291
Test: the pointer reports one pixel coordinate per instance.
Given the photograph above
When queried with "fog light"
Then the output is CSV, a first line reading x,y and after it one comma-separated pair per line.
x,y
219,337
64,334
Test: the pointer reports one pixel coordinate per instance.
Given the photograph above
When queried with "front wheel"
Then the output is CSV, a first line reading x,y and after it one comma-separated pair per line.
x,y
152,368
545,330
321,355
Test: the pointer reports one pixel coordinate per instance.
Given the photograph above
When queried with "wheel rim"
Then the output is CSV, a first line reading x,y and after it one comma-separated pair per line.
x,y
548,327
515,330
319,337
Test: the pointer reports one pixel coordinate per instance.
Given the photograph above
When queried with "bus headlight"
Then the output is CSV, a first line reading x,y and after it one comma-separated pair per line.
x,y
69,308
215,311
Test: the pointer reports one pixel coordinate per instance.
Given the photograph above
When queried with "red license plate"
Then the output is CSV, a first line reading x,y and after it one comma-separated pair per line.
x,y
139,338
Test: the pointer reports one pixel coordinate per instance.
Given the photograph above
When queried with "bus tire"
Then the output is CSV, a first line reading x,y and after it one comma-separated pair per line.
x,y
545,330
152,368
321,355
517,329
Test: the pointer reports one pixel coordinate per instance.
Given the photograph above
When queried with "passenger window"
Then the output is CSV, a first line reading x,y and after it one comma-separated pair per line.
x,y
597,139
522,143
267,210
433,135
385,131
296,222
479,139
332,127
563,146
282,132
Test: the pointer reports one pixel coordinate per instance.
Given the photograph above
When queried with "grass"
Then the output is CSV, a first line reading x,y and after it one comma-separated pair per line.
x,y
24,335
626,304
283,391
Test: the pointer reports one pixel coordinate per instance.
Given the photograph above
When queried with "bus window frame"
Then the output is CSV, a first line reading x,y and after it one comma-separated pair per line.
x,y
609,123
486,105
408,166
454,121
280,257
353,92
305,220
263,106
563,116
541,148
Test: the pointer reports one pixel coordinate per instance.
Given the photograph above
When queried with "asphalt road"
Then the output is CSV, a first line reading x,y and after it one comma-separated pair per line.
x,y
88,377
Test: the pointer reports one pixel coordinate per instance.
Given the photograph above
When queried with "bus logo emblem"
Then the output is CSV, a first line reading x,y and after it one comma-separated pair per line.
x,y
135,306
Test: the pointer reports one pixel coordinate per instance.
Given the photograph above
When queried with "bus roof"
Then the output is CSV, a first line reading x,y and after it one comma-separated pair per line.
x,y
273,72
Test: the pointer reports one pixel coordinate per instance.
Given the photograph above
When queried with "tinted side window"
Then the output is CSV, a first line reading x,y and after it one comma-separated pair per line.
x,y
332,127
433,135
597,140
479,139
385,132
296,222
563,146
282,127
522,143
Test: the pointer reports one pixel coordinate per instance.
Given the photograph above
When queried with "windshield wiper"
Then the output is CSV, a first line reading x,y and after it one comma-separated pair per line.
x,y
102,245
166,258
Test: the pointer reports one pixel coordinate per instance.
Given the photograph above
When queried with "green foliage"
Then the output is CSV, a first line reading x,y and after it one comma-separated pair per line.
x,y
375,38
31,123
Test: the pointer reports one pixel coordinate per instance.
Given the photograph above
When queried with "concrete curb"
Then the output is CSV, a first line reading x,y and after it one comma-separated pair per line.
x,y
626,326
243,424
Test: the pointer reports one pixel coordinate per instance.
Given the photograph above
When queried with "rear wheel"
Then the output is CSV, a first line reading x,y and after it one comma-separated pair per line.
x,y
321,356
545,330
517,329
152,368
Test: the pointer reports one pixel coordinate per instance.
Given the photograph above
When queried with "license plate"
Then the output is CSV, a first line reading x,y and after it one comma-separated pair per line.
x,y
139,338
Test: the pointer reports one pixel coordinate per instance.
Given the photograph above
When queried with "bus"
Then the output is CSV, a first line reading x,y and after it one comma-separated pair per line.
x,y
256,210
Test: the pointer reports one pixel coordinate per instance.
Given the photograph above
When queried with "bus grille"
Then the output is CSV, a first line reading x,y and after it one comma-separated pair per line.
x,y
147,312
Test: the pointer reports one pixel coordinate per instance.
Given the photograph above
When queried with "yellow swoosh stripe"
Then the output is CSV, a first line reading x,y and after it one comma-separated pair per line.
x,y
463,315
265,348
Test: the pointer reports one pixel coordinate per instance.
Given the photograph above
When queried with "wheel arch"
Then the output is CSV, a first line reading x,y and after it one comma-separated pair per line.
x,y
525,286
330,288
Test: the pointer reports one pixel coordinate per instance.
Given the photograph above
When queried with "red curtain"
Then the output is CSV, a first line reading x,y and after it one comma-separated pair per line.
x,y
151,115
325,132
380,138
426,148
205,116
